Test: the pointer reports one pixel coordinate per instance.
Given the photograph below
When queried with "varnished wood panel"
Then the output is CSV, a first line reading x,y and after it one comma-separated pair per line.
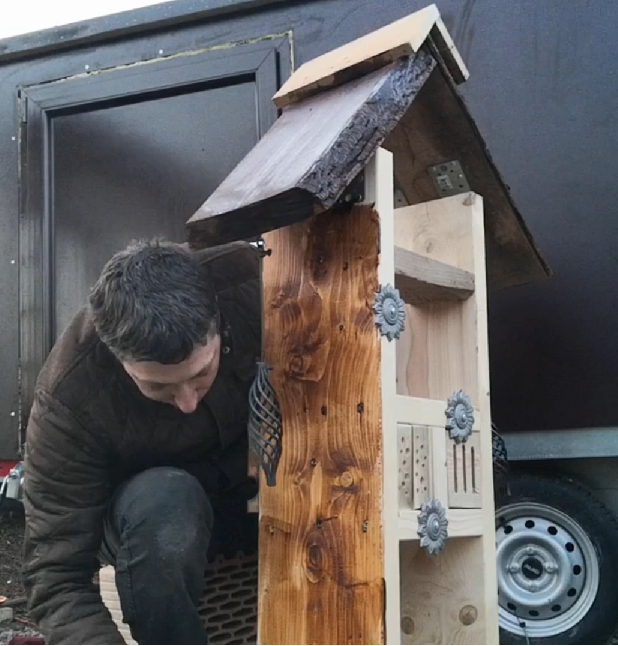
x,y
321,555
311,154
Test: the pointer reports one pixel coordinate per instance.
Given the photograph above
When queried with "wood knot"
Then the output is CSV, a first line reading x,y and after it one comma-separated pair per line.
x,y
360,408
296,366
346,479
468,615
324,410
407,625
315,563
313,462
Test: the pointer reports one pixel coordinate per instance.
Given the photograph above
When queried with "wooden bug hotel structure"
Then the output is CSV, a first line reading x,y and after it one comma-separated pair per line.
x,y
372,416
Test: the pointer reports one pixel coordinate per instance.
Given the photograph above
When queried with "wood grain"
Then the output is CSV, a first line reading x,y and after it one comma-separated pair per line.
x,y
422,279
311,154
451,595
438,128
321,551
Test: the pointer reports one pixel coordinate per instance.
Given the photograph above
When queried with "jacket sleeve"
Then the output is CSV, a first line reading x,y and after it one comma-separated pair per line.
x,y
65,496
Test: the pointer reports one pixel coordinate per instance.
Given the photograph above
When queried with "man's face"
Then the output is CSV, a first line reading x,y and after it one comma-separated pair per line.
x,y
183,384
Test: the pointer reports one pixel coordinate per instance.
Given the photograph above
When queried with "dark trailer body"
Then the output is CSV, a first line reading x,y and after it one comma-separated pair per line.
x,y
120,127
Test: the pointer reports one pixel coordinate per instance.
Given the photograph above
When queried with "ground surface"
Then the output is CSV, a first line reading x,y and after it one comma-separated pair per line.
x,y
11,587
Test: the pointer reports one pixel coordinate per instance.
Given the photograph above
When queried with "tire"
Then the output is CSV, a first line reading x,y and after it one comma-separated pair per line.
x,y
557,563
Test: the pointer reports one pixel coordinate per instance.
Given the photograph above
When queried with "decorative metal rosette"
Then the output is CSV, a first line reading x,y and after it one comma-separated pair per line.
x,y
459,417
433,526
265,428
390,312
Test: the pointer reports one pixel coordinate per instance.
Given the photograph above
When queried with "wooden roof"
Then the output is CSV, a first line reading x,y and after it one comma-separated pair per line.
x,y
338,114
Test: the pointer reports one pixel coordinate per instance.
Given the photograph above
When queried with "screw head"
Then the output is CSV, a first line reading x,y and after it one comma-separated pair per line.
x,y
529,551
514,568
550,568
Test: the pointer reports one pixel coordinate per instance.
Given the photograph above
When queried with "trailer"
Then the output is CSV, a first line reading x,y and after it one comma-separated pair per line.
x,y
119,128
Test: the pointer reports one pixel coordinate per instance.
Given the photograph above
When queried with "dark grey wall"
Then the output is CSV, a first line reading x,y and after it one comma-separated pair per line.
x,y
544,92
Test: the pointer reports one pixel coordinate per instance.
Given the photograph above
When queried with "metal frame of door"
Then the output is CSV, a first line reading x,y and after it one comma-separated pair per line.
x,y
264,62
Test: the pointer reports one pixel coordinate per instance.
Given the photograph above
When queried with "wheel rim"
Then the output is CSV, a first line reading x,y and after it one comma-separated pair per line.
x,y
548,570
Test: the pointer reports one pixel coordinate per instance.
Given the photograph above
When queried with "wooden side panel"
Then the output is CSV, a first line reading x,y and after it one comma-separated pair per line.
x,y
441,599
321,550
452,598
487,492
379,191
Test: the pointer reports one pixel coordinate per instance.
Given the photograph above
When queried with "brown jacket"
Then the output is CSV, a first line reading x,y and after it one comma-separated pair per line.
x,y
90,429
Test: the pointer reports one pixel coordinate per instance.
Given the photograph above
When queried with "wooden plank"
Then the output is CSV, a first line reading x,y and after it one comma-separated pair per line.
x,y
482,343
361,56
450,609
447,51
422,279
464,472
309,156
438,230
461,523
321,547
424,412
440,356
379,192
438,128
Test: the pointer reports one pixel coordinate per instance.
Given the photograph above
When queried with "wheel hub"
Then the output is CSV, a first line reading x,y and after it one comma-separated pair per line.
x,y
547,570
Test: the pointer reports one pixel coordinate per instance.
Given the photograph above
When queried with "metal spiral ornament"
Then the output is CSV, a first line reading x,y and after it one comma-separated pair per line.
x,y
265,428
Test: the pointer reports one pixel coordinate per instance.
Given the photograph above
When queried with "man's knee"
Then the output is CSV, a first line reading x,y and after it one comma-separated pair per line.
x,y
167,508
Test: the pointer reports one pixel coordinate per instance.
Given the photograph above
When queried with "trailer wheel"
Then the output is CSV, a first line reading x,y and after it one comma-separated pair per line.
x,y
557,563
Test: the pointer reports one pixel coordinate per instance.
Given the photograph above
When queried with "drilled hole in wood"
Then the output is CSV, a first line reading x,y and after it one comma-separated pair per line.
x,y
455,467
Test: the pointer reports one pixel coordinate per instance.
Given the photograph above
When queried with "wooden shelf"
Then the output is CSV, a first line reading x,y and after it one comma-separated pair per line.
x,y
426,412
461,523
422,279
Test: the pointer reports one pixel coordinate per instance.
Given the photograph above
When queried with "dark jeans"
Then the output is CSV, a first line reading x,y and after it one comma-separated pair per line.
x,y
157,533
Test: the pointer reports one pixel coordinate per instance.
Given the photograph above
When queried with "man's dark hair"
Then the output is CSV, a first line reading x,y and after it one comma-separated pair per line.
x,y
154,301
